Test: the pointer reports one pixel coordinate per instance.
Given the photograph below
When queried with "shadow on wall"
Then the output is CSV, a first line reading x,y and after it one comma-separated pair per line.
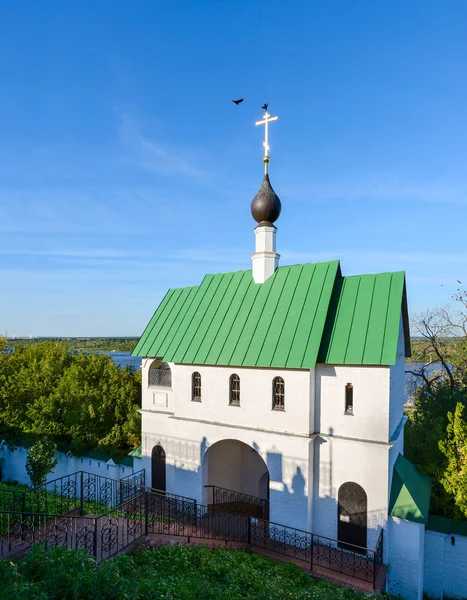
x,y
240,472
341,509
231,464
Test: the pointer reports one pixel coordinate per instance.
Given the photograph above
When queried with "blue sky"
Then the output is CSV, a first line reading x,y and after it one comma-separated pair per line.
x,y
126,169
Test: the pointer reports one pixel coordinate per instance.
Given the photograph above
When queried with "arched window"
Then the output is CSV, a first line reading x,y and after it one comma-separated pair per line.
x,y
160,374
196,387
278,393
234,396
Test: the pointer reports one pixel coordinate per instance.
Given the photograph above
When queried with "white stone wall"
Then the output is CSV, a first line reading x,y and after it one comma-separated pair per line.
x,y
186,441
255,402
370,419
340,461
406,544
14,467
445,565
255,408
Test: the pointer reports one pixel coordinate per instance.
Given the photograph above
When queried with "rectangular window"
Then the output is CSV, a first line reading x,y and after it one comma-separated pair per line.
x,y
349,399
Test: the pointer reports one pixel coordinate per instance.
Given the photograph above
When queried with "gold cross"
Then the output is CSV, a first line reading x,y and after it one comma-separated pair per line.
x,y
266,120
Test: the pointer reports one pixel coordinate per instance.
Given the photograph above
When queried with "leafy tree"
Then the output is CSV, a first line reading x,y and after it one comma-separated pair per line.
x,y
454,448
77,399
40,461
442,376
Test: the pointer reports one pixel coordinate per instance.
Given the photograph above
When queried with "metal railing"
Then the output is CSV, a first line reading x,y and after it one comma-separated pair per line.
x,y
85,491
148,511
102,536
224,500
317,550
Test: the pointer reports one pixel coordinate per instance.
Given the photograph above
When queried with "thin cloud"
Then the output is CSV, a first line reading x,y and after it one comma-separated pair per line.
x,y
380,188
151,155
212,255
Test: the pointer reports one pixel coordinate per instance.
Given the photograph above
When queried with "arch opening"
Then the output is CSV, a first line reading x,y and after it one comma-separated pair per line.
x,y
236,467
352,519
160,374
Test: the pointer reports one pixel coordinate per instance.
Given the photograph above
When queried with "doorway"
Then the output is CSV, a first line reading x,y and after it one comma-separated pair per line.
x,y
158,479
352,516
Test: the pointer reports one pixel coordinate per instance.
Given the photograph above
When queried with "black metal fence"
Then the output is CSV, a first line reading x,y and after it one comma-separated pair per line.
x,y
131,510
318,550
80,491
81,510
223,500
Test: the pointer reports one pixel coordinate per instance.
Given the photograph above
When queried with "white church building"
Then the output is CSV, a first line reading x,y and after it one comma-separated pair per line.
x,y
285,383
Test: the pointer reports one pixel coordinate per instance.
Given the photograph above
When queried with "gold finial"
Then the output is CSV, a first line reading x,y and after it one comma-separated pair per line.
x,y
266,120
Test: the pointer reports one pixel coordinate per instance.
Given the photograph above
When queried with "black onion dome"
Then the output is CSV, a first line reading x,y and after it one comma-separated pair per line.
x,y
266,206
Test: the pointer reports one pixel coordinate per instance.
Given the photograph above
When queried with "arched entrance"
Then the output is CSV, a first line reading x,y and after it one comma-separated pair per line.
x,y
352,515
236,478
158,468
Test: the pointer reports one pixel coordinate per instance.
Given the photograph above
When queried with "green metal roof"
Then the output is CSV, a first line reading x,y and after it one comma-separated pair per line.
x,y
410,492
362,327
301,315
230,320
445,525
137,452
127,461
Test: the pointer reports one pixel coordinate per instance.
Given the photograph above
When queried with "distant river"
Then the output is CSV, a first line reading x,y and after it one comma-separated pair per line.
x,y
124,359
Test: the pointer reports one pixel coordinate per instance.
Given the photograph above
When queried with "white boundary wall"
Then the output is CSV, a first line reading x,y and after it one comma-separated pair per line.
x,y
445,565
14,466
406,547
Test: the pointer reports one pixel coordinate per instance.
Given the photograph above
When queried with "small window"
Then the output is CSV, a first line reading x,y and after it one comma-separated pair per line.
x,y
349,399
196,387
278,393
234,390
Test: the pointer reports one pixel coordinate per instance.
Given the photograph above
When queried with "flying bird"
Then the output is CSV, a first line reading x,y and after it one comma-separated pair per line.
x,y
265,106
237,102
459,282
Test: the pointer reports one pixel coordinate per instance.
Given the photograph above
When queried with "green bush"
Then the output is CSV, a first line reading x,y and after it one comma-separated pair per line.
x,y
170,573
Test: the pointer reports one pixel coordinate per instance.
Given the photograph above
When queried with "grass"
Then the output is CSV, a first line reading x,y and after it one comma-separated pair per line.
x,y
172,573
